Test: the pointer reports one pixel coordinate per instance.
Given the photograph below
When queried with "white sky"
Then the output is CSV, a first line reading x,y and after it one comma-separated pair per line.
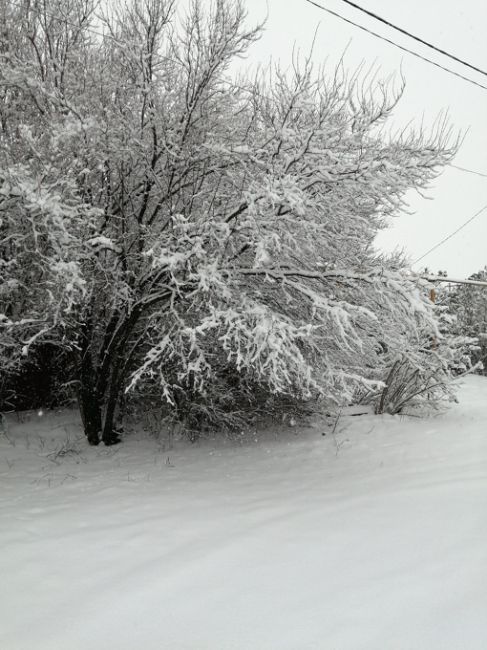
x,y
456,27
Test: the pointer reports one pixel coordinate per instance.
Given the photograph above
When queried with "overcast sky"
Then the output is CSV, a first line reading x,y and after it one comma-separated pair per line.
x,y
456,27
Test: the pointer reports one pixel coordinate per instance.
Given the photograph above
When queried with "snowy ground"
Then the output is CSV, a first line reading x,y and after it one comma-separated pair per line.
x,y
375,539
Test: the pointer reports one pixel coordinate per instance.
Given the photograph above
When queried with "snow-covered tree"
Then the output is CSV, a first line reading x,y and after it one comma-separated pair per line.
x,y
162,220
467,303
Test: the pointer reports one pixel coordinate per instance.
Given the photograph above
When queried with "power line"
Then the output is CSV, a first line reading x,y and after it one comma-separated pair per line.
x,y
400,47
451,234
469,171
416,38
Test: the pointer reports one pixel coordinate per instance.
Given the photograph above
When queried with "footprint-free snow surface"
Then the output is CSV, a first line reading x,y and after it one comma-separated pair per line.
x,y
372,538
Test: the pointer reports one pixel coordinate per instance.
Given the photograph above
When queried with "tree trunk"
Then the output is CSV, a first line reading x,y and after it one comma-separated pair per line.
x,y
90,400
103,372
91,414
98,410
111,436
113,376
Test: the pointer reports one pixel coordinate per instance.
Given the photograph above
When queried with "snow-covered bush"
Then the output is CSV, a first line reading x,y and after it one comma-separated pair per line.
x,y
421,364
414,384
467,304
166,223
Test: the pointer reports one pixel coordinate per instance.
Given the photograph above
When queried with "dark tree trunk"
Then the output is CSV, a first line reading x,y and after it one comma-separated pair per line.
x,y
102,376
104,365
98,410
90,400
113,374
91,413
111,436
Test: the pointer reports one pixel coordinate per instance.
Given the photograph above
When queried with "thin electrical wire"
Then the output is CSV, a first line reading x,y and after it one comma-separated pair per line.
x,y
416,38
393,43
448,237
469,171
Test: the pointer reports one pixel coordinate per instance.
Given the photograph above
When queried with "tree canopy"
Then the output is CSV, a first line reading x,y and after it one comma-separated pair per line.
x,y
174,227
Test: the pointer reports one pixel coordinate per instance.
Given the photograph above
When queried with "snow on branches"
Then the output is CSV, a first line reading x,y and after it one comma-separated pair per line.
x,y
188,227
